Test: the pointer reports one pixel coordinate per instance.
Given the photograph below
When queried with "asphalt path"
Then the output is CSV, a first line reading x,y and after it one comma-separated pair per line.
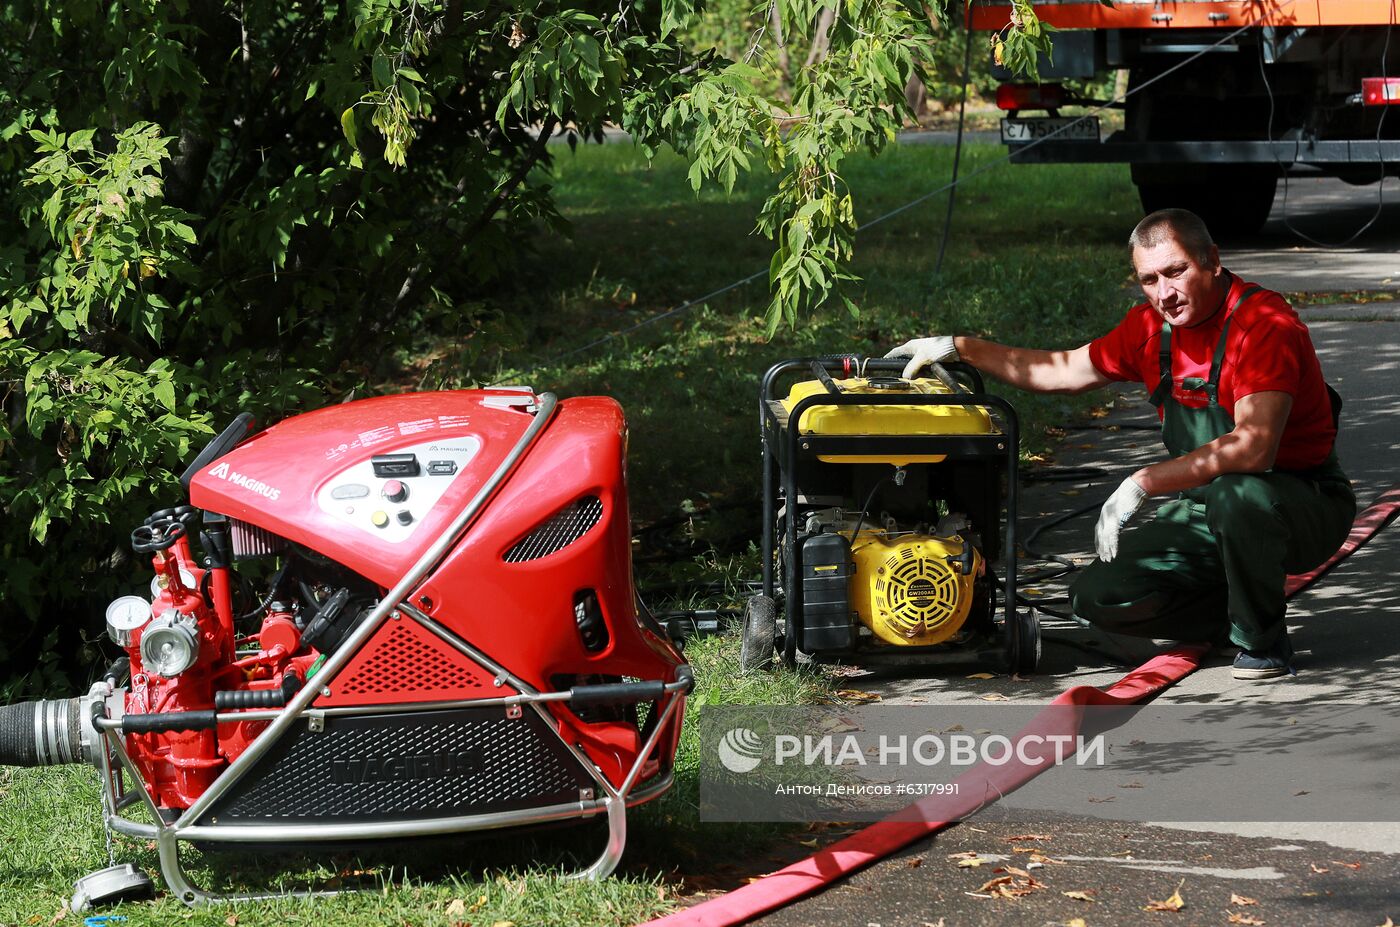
x,y
1344,628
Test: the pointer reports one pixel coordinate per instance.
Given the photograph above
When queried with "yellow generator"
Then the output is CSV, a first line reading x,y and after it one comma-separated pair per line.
x,y
889,505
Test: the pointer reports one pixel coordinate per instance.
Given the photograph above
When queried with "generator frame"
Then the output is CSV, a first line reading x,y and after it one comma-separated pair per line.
x,y
785,448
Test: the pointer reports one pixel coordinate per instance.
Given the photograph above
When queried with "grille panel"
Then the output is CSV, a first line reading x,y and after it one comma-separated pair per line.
x,y
559,531
407,766
405,660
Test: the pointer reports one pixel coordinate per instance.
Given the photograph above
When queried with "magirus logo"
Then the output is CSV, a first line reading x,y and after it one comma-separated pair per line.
x,y
223,472
740,750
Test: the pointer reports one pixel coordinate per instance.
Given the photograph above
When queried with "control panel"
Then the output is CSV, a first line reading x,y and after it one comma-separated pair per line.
x,y
388,495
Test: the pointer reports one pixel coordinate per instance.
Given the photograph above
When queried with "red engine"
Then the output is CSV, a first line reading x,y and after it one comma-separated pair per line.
x,y
412,615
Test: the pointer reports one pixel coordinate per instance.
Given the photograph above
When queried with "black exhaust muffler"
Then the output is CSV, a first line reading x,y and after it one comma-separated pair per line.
x,y
44,733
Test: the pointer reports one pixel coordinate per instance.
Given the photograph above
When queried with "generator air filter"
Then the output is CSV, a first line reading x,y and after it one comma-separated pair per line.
x,y
909,590
252,541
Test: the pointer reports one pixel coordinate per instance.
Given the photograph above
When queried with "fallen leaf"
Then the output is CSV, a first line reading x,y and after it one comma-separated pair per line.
x,y
971,863
231,920
1012,870
993,883
855,695
1085,895
1244,919
1100,801
994,697
1242,900
916,862
1301,792
1023,849
61,914
504,924
479,903
1317,868
983,676
967,854
1174,903
1076,922
1130,785
1348,865
1020,837
456,908
1042,858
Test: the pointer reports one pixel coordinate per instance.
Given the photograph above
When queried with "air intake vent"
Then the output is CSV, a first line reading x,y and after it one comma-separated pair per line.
x,y
562,529
252,541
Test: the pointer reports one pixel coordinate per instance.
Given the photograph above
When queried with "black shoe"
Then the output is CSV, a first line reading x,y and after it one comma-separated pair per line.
x,y
1265,664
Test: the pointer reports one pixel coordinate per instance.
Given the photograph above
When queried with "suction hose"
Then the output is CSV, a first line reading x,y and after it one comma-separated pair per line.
x,y
43,733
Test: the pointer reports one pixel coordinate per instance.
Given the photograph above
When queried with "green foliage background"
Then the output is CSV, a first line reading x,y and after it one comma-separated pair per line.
x,y
215,207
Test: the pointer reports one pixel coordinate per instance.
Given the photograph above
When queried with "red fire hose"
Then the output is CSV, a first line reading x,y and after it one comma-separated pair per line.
x,y
886,837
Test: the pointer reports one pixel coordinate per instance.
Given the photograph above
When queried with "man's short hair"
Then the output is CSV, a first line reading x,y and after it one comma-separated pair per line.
x,y
1180,224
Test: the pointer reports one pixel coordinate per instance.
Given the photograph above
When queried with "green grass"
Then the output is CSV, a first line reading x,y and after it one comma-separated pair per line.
x,y
1036,257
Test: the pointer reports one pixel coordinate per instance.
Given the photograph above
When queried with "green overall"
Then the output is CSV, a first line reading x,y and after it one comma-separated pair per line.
x,y
1216,558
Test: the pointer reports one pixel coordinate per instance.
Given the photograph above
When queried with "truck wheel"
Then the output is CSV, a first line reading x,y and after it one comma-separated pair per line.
x,y
1232,199
756,638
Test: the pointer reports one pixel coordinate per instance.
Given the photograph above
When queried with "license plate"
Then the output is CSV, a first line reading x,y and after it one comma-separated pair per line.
x,y
1015,131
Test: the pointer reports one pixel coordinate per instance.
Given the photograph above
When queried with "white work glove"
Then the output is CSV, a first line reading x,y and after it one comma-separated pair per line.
x,y
1126,500
924,351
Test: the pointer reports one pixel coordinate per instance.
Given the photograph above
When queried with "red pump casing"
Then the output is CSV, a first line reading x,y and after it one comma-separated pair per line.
x,y
540,582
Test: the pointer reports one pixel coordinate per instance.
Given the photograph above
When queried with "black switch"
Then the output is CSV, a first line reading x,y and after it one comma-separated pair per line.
x,y
405,517
390,466
442,467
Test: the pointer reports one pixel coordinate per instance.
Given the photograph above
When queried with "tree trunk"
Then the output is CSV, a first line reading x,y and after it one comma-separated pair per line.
x,y
775,22
914,95
821,38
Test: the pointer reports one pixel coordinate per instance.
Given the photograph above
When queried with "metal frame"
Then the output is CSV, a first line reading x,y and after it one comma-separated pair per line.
x,y
792,445
192,826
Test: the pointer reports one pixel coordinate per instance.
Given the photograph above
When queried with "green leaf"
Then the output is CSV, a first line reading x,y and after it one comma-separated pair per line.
x,y
347,125
383,72
165,393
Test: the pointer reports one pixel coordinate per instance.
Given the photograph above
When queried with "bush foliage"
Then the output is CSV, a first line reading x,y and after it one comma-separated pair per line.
x,y
214,207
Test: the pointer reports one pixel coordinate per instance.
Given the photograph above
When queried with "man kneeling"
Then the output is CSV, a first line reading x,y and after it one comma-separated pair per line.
x,y
1250,427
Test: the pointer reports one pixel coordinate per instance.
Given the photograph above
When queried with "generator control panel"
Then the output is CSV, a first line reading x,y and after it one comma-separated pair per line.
x,y
388,495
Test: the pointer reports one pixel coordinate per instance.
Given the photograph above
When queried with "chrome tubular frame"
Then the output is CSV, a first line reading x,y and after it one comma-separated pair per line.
x,y
613,803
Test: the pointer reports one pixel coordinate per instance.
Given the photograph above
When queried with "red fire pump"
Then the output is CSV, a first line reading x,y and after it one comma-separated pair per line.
x,y
449,639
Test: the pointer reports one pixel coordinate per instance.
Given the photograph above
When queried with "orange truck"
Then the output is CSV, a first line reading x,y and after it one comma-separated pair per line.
x,y
1223,96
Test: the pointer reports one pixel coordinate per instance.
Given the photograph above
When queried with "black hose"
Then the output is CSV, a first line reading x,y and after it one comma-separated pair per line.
x,y
43,733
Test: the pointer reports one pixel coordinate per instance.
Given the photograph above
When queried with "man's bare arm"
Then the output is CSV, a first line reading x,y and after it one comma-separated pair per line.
x,y
1250,448
1028,369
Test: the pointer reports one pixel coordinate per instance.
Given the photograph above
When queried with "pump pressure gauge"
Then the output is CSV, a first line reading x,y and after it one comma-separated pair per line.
x,y
125,616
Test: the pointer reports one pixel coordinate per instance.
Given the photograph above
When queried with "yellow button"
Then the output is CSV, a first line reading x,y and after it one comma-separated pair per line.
x,y
380,519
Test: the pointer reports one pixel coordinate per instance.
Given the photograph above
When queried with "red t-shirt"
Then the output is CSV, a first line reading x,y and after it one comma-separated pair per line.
x,y
1268,349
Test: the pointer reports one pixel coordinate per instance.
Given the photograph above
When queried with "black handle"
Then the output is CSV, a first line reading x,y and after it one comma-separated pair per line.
x,y
169,721
160,534
617,693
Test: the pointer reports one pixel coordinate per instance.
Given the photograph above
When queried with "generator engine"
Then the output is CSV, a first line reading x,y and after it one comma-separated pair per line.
x,y
909,586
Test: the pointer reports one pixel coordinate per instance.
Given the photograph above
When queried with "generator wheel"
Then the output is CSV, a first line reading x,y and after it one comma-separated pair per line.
x,y
1022,632
757,636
